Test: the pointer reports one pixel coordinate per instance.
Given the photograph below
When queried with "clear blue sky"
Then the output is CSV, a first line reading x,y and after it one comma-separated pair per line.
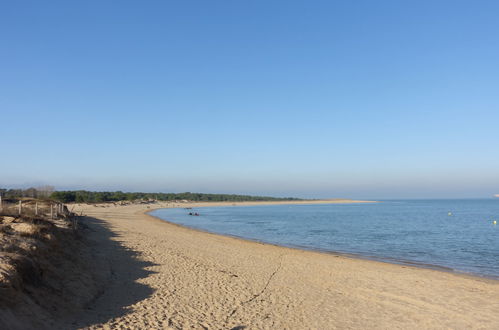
x,y
360,99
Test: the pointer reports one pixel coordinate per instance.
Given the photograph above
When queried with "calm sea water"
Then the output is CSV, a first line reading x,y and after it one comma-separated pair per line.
x,y
409,231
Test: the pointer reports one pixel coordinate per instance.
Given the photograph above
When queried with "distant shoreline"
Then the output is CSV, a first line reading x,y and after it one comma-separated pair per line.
x,y
178,203
249,203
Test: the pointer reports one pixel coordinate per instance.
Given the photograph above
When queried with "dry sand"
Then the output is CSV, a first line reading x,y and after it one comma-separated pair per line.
x,y
167,276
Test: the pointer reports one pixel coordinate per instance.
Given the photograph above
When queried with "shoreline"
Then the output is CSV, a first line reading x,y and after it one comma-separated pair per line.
x,y
386,260
165,275
259,203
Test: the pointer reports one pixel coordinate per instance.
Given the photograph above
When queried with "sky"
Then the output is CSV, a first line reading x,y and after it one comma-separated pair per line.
x,y
314,99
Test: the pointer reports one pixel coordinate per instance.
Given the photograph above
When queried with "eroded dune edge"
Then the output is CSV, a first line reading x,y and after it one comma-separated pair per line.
x,y
147,273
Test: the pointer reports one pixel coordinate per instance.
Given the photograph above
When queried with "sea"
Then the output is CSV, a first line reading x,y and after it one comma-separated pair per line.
x,y
454,235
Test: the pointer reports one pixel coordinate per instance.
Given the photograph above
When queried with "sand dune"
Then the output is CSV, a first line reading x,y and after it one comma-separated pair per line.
x,y
167,276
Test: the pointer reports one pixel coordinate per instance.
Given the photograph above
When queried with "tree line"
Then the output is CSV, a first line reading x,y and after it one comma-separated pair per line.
x,y
38,192
83,196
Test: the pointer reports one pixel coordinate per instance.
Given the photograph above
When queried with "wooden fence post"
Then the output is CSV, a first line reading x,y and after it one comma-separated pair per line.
x,y
51,211
36,208
20,207
1,206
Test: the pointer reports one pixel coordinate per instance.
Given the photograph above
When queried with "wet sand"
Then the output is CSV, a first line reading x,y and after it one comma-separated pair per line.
x,y
175,277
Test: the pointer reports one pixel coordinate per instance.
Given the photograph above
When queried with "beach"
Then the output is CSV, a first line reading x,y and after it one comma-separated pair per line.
x,y
168,276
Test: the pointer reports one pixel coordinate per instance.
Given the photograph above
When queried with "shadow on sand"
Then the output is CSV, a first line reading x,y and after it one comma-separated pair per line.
x,y
115,270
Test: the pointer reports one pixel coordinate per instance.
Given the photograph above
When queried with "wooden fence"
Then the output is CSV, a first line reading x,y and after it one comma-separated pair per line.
x,y
31,207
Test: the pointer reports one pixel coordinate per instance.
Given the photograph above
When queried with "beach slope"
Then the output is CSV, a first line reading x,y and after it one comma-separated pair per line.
x,y
182,278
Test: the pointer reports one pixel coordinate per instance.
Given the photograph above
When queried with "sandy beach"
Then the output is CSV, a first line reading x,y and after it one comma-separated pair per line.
x,y
166,276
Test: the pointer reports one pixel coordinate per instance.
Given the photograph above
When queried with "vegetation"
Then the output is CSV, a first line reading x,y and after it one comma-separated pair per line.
x,y
39,192
83,196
